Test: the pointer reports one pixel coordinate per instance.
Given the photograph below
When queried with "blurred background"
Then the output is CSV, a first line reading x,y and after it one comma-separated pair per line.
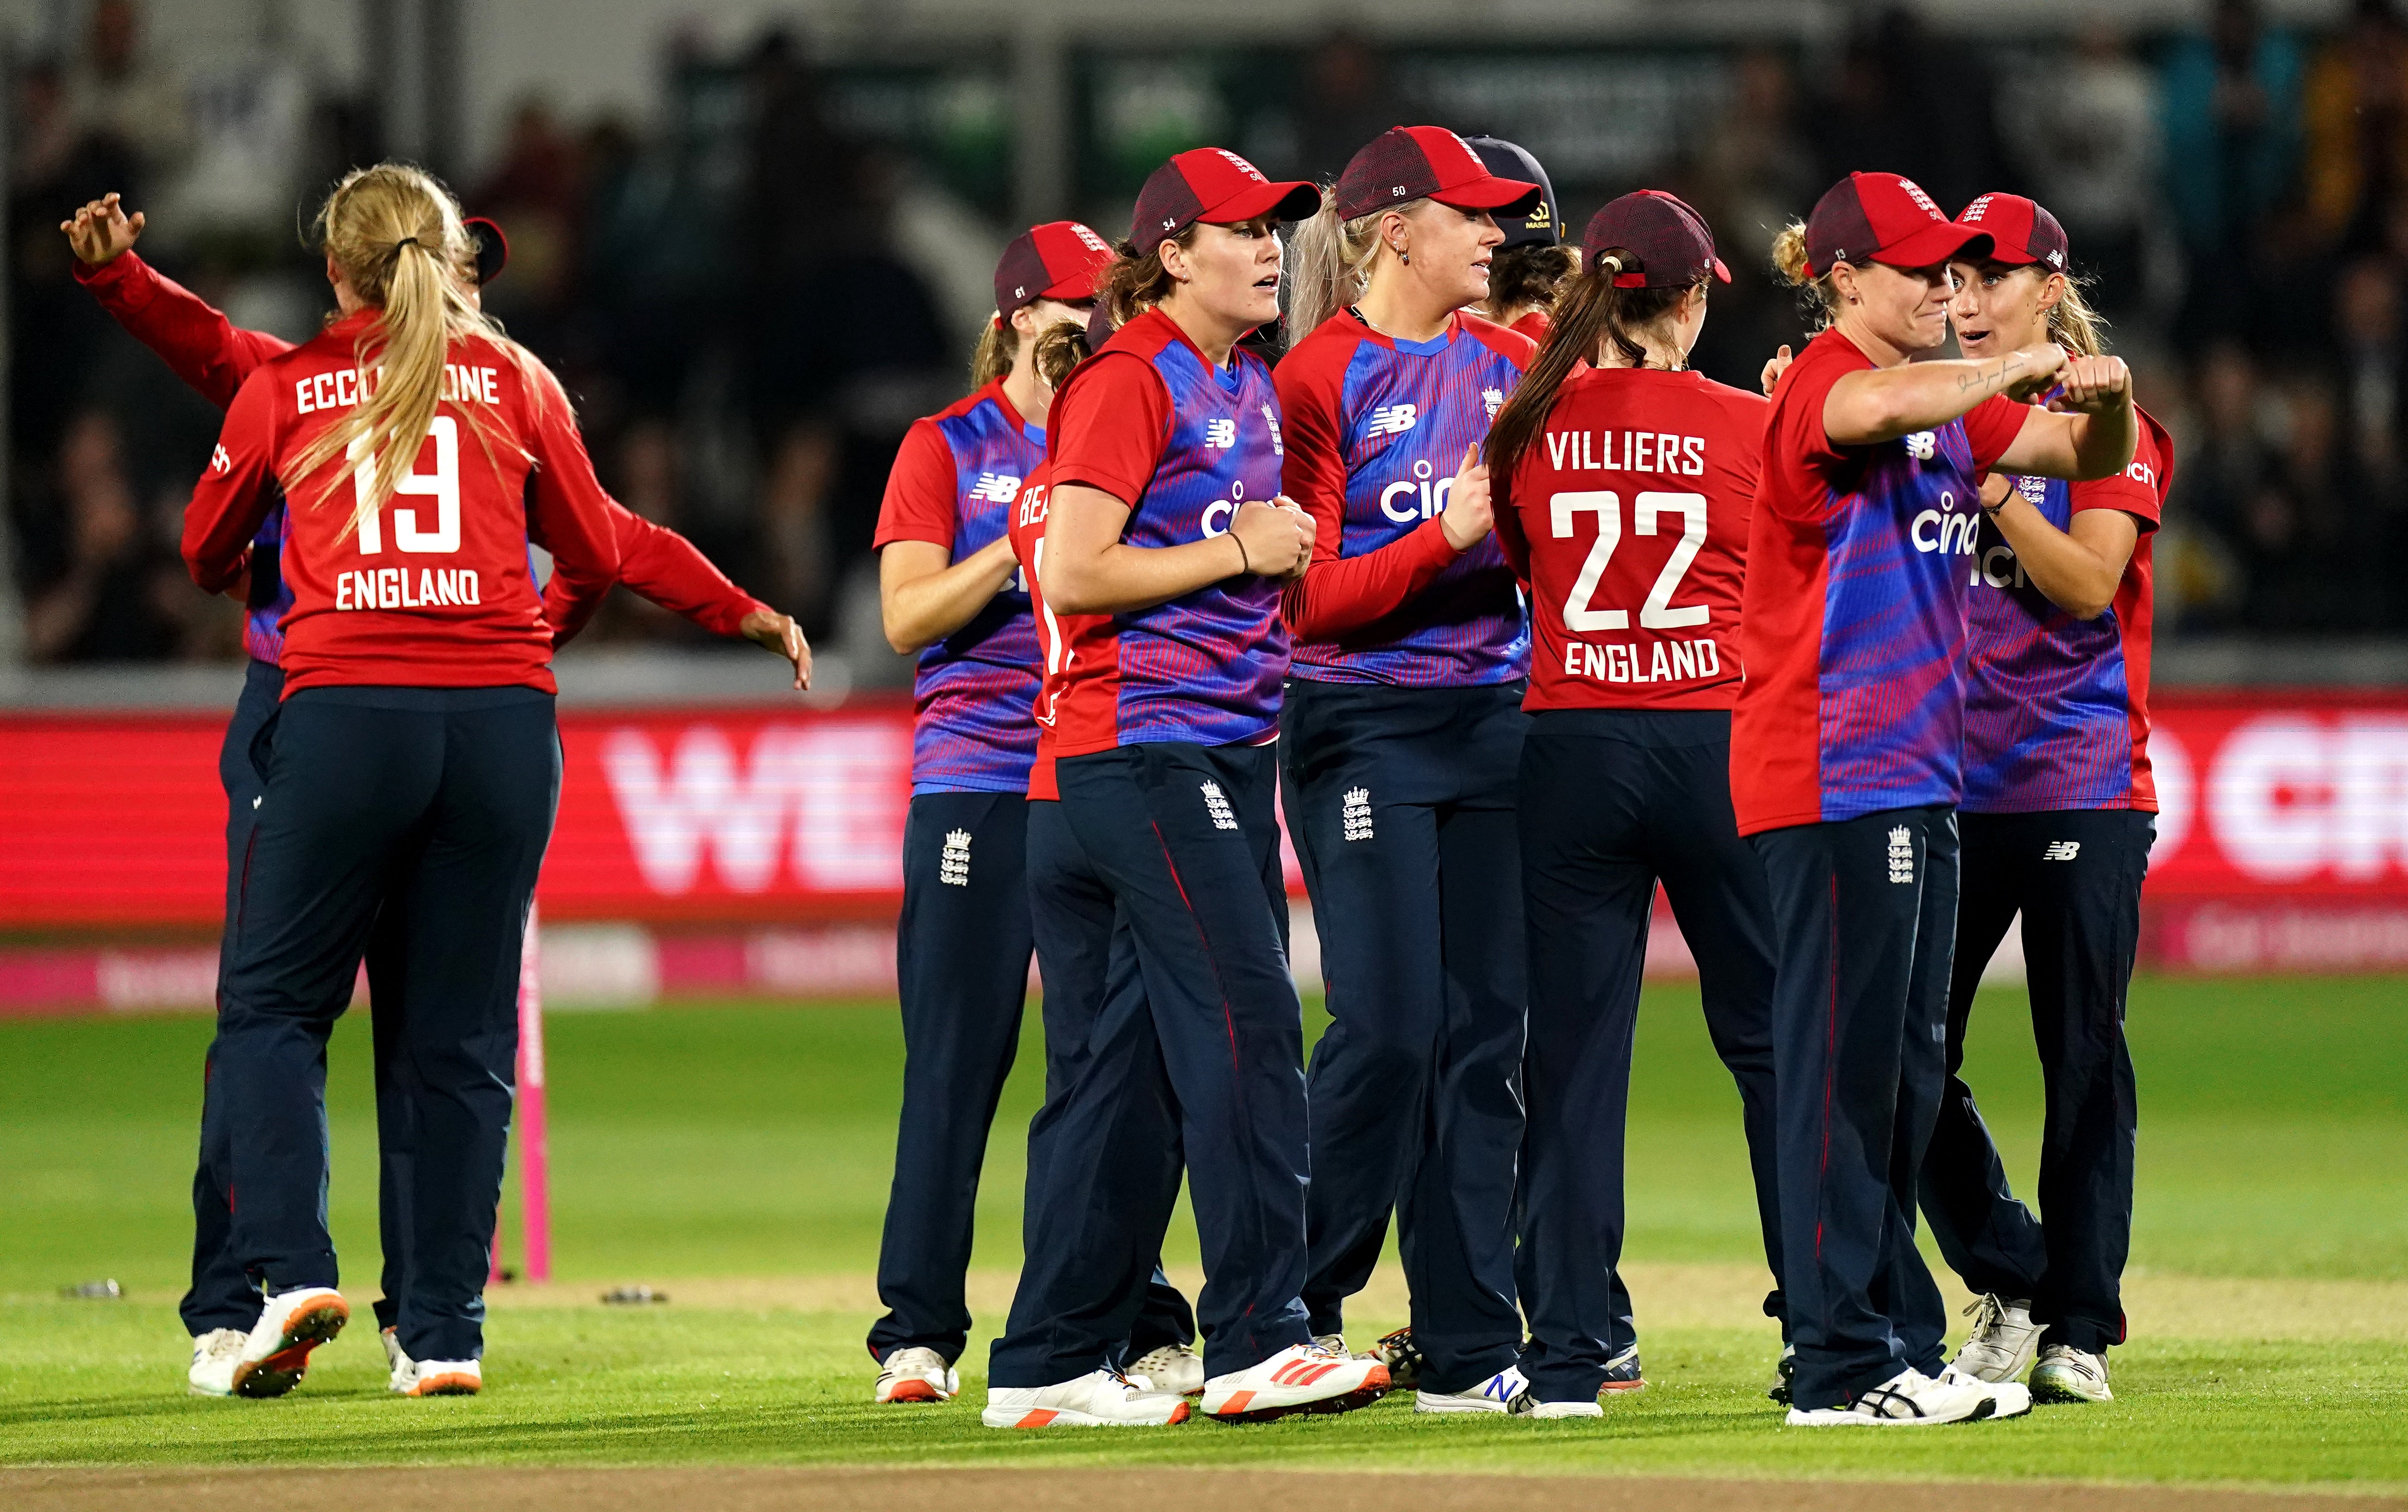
x,y
756,239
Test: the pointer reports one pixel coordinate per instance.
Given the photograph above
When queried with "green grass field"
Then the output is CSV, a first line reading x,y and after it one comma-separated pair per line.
x,y
737,1157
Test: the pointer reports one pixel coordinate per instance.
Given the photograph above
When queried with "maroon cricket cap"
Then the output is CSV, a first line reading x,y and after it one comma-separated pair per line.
x,y
1668,242
2019,229
1411,163
492,249
1058,260
1212,183
1882,218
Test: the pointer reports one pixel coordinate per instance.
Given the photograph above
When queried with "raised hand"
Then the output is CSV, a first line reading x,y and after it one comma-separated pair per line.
x,y
1775,367
101,230
2094,386
780,633
1470,512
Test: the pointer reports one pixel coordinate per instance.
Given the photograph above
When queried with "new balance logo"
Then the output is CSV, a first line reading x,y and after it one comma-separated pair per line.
x,y
1901,855
1923,446
1220,432
1392,420
953,863
1356,816
999,488
1216,805
2061,851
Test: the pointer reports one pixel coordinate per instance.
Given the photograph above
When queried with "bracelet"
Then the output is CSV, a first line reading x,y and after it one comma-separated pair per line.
x,y
1245,563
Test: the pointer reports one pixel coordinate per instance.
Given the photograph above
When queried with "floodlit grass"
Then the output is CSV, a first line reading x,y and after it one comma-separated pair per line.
x,y
753,1142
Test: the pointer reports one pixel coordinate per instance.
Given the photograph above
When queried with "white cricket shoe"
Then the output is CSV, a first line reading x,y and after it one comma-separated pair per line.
x,y
2013,1398
2003,1341
1174,1368
2064,1374
438,1378
1099,1399
1302,1378
916,1373
1333,1343
1495,1394
1526,1405
276,1354
214,1354
1909,1399
394,1355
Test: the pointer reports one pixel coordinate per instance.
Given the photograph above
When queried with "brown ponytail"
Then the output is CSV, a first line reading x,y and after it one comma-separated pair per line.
x,y
1589,312
1820,298
1130,285
1529,276
1058,349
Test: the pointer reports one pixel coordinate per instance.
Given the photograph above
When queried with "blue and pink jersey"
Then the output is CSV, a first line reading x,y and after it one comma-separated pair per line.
x,y
1853,617
2056,709
1377,429
1149,421
954,484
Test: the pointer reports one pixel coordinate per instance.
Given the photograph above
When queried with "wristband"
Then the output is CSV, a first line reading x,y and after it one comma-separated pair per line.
x,y
1245,563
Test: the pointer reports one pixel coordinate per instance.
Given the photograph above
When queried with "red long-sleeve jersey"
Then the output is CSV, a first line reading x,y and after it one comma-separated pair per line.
x,y
214,355
434,589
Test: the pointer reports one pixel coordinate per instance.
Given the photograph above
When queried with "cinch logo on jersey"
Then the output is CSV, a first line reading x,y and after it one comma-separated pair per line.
x,y
389,588
1901,855
1947,529
2061,851
1390,419
996,488
1355,814
1667,661
1216,807
1639,452
1396,499
953,861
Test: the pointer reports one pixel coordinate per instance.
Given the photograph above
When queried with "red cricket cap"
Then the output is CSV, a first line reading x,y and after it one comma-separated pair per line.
x,y
1411,163
492,249
1058,260
1666,243
1212,183
1882,218
2020,230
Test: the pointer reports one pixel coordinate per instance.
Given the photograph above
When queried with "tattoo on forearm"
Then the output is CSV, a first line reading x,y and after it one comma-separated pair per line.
x,y
1992,375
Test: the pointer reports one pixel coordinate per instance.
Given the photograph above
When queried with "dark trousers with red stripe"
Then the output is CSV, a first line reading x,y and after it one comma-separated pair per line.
x,y
222,1296
1086,953
1864,914
2074,876
1402,804
1613,802
1186,838
961,963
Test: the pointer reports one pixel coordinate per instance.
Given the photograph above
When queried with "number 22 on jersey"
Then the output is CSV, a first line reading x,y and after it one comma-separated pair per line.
x,y
1659,611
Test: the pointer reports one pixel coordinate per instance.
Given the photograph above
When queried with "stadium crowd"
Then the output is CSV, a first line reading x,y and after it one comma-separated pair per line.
x,y
2242,190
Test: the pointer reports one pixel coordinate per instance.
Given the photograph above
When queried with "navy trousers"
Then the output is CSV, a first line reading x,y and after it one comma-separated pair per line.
x,y
1186,838
961,965
1864,914
221,1295
1613,802
441,800
1402,805
1086,955
2075,877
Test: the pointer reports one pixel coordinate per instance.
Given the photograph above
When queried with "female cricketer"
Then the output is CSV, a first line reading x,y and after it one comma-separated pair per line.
x,y
2059,813
1846,746
212,355
1529,266
1628,486
1166,525
1398,743
415,761
948,588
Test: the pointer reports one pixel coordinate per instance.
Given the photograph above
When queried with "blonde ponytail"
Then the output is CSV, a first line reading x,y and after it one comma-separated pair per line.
x,y
1818,297
395,235
2074,325
999,344
1330,261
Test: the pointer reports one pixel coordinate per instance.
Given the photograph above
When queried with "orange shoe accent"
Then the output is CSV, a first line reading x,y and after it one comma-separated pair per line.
x,y
1376,1380
1234,1406
1622,1386
914,1390
456,1383
1038,1418
303,1332
1179,1413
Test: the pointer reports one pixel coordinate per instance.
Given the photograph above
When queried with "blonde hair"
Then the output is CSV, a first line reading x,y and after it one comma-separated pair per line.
x,y
1818,297
2073,324
997,346
394,233
1331,262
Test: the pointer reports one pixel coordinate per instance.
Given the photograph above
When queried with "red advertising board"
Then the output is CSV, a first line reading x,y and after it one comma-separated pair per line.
x,y
2284,840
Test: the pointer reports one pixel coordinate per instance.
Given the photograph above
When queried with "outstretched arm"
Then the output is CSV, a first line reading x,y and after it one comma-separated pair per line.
x,y
191,335
1884,403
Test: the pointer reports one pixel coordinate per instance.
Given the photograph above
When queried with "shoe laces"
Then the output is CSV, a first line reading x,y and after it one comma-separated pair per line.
x,y
224,1342
1988,1312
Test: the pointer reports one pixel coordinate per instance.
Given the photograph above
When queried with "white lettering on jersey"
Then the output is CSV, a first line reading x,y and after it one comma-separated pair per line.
x,y
1943,530
395,588
1628,451
1669,660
